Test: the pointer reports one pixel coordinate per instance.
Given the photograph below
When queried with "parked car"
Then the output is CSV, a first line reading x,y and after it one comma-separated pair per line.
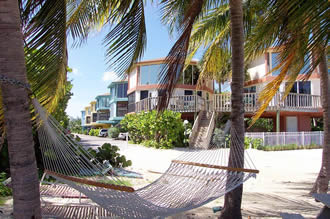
x,y
103,133
122,136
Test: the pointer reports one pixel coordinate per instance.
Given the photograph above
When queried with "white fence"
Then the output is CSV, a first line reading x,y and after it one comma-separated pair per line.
x,y
282,138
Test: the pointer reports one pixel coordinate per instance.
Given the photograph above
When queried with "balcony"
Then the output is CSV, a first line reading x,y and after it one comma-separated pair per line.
x,y
187,103
293,102
222,103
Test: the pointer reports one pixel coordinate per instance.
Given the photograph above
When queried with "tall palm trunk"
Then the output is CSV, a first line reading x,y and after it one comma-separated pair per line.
x,y
17,118
322,181
233,199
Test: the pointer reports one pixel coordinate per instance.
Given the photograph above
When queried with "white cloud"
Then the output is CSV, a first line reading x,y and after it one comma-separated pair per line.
x,y
109,76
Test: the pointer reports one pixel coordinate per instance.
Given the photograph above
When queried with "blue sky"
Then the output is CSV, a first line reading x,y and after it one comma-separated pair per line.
x,y
91,75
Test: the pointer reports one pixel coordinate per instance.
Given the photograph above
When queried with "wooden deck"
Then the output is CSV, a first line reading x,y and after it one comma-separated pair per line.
x,y
222,103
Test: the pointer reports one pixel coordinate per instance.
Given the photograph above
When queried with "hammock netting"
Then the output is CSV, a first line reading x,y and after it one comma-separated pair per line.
x,y
193,179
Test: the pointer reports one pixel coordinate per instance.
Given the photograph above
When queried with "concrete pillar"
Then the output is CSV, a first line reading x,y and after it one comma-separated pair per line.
x,y
278,121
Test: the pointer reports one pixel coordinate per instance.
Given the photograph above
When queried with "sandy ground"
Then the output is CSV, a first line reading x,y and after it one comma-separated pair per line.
x,y
282,186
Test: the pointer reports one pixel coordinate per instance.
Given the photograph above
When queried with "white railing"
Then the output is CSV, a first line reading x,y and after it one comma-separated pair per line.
x,y
186,103
293,102
194,129
283,138
210,129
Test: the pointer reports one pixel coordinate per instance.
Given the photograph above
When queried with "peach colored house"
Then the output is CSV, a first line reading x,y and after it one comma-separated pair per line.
x,y
301,105
143,89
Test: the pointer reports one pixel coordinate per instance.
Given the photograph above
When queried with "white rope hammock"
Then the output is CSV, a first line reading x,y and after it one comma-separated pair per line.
x,y
192,180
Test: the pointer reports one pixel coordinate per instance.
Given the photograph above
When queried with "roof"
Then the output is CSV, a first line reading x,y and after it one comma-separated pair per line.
x,y
101,95
160,60
117,82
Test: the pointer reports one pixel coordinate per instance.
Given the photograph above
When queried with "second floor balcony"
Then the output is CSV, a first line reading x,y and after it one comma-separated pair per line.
x,y
222,103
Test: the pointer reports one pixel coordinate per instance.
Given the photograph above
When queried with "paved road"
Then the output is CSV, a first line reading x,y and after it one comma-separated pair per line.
x,y
142,157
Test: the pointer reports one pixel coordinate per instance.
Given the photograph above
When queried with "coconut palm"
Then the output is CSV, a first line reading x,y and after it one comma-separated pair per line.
x,y
33,48
300,29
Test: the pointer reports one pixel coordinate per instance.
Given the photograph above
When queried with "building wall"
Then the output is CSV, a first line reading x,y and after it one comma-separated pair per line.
x,y
132,79
257,69
315,87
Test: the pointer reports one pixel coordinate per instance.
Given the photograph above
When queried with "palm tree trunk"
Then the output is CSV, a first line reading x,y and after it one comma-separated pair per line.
x,y
17,117
322,180
233,199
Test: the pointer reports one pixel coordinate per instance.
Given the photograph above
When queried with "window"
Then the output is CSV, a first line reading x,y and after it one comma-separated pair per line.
x,y
199,93
250,89
275,61
188,92
275,56
131,102
189,76
121,90
144,94
301,87
94,117
121,109
149,74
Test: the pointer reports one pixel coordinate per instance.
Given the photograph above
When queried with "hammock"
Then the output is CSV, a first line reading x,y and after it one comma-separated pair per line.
x,y
192,180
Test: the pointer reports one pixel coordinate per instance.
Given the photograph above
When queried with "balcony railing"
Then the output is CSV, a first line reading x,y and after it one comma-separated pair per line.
x,y
186,103
293,102
222,103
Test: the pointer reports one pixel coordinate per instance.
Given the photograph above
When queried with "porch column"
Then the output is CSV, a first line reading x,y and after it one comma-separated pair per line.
x,y
278,121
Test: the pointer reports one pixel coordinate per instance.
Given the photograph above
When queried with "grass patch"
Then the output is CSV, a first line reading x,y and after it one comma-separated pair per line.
x,y
124,182
2,201
287,147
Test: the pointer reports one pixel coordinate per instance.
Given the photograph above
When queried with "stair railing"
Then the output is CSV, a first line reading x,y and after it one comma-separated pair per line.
x,y
210,130
194,129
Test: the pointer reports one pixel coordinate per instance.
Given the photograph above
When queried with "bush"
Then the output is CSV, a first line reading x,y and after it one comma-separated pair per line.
x,y
254,143
287,147
113,132
94,132
77,138
110,152
164,130
4,190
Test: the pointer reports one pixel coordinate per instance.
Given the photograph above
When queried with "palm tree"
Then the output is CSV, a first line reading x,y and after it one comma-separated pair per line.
x,y
17,114
181,15
33,48
300,30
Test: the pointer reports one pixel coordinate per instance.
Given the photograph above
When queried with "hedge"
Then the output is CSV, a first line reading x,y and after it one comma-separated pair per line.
x,y
163,130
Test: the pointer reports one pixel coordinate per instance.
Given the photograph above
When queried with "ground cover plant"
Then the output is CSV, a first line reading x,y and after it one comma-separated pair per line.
x,y
111,153
4,190
288,147
163,130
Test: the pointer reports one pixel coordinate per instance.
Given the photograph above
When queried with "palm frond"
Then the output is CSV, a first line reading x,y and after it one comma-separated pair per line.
x,y
126,42
298,29
175,59
46,51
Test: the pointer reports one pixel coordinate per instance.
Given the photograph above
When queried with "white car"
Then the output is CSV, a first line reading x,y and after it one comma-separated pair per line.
x,y
122,136
103,133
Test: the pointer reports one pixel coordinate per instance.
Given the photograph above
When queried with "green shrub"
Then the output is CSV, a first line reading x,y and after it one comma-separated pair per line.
x,y
77,138
163,130
254,143
94,132
113,132
111,153
85,132
4,190
287,147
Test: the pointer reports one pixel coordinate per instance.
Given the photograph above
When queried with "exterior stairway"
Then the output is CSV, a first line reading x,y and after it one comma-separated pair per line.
x,y
200,138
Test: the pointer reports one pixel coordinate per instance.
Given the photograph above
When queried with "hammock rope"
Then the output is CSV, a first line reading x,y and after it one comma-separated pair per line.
x,y
192,180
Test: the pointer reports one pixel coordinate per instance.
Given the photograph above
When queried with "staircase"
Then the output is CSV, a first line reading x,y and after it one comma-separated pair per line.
x,y
202,130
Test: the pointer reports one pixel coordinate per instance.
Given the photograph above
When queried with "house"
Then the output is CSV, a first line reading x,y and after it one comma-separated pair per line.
x,y
118,101
300,106
292,114
107,109
143,89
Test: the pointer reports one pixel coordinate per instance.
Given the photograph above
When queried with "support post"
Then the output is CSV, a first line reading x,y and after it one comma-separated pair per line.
x,y
278,121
